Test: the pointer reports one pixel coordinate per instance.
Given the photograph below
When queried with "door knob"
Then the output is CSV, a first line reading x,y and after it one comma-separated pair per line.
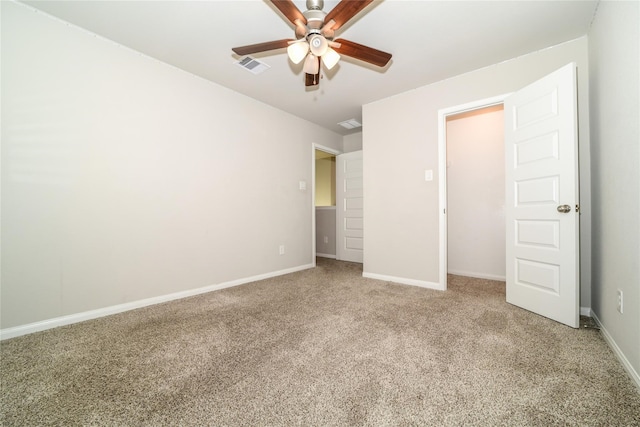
x,y
564,208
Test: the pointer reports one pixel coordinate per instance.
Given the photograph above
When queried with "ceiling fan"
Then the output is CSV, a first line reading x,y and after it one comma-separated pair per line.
x,y
314,31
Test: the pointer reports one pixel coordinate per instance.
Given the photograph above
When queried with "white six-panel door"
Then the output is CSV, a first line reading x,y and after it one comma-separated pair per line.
x,y
542,215
349,221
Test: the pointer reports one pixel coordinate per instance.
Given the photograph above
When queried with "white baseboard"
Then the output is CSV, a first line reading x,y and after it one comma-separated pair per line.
x,y
114,309
585,311
477,275
326,256
404,281
616,350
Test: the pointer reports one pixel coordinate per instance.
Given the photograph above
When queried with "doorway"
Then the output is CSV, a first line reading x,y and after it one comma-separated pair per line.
x,y
475,193
460,112
323,202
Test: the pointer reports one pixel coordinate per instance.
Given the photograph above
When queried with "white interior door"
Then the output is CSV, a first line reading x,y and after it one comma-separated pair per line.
x,y
542,215
349,229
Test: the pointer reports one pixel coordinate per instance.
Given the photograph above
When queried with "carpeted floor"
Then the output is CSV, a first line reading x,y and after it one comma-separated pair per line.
x,y
322,347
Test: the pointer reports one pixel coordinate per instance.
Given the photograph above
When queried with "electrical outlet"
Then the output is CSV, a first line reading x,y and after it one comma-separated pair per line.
x,y
326,239
281,249
620,301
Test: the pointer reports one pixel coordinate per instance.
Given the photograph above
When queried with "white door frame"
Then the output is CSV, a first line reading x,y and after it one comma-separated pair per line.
x,y
442,172
333,152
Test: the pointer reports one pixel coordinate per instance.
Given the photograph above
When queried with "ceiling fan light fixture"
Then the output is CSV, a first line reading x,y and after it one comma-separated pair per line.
x,y
330,58
311,65
318,44
297,51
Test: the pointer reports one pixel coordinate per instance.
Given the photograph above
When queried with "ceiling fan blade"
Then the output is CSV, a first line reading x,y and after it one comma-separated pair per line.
x,y
289,10
327,29
312,79
301,29
261,47
363,53
344,11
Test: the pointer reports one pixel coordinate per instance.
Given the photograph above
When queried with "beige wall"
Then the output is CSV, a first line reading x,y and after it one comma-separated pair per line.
x,y
475,194
615,134
126,179
352,142
326,181
400,207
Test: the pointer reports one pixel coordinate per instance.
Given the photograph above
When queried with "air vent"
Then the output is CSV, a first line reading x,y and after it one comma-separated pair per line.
x,y
252,65
350,124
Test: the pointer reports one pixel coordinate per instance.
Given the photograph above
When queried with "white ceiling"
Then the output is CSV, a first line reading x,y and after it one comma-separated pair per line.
x,y
429,40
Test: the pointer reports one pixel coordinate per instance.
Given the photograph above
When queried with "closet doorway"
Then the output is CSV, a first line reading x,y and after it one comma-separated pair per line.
x,y
475,182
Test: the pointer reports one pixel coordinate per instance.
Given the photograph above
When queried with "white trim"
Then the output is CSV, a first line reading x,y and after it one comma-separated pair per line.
x,y
114,309
616,350
442,196
586,311
326,255
404,281
315,147
477,275
442,172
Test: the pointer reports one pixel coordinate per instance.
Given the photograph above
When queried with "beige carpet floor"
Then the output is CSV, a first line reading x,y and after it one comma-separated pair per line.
x,y
322,347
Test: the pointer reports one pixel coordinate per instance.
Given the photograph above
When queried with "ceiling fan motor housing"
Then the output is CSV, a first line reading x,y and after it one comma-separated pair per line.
x,y
314,14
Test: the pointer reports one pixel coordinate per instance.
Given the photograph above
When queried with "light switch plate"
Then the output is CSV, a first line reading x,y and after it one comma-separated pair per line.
x,y
428,175
303,185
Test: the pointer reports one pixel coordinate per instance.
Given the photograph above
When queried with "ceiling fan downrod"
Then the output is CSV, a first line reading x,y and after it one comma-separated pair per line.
x,y
315,4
